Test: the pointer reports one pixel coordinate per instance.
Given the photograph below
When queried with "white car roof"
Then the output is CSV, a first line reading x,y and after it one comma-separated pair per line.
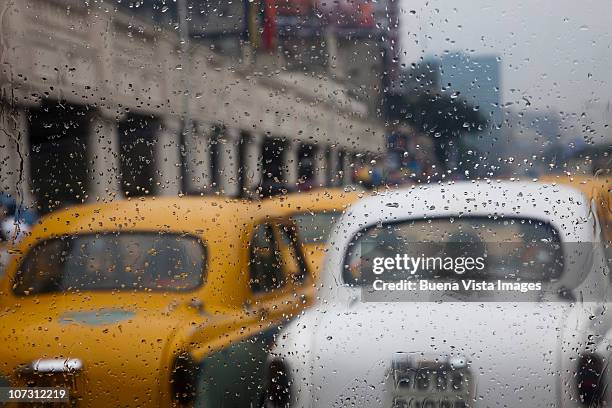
x,y
565,208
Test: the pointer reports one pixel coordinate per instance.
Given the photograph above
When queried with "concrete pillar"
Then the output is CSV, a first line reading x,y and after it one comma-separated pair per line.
x,y
103,158
334,63
334,167
320,166
197,156
350,163
252,166
168,158
228,162
101,38
291,160
15,177
347,170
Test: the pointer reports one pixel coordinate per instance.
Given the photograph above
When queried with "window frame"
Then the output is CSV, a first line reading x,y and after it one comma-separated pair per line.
x,y
287,280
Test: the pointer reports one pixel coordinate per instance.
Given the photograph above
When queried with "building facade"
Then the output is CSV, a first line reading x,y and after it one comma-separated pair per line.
x,y
94,102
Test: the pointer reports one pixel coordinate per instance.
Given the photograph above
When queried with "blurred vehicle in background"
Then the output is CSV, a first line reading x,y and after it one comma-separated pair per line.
x,y
598,189
151,302
450,347
314,212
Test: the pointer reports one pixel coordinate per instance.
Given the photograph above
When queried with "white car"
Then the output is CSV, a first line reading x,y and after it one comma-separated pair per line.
x,y
539,337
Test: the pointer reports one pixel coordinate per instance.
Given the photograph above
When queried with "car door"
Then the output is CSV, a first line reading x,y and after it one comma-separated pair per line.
x,y
233,376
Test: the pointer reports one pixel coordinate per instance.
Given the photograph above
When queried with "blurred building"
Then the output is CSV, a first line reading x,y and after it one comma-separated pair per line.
x,y
539,141
351,42
94,97
531,142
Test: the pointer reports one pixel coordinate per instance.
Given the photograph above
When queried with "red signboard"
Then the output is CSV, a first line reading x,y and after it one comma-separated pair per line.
x,y
344,13
294,7
347,13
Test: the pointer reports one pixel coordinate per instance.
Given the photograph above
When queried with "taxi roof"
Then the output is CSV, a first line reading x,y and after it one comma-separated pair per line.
x,y
186,214
560,205
222,223
328,199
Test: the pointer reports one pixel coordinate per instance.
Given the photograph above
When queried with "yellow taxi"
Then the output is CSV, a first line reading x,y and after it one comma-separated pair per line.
x,y
152,302
595,188
315,213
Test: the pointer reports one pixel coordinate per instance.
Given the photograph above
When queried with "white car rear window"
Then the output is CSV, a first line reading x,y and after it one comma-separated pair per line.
x,y
441,248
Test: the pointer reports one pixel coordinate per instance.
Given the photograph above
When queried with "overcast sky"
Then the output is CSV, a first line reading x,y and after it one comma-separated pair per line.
x,y
556,53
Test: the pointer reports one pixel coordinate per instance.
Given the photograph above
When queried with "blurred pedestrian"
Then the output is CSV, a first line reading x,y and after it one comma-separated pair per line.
x,y
3,239
15,224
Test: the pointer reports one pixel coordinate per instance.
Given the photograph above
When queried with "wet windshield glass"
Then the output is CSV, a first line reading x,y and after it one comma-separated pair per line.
x,y
267,132
126,261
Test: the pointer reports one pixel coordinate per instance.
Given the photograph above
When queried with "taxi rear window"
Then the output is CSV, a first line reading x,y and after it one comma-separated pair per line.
x,y
134,261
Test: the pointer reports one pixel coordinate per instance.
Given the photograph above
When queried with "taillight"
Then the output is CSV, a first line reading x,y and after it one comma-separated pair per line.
x,y
278,385
590,379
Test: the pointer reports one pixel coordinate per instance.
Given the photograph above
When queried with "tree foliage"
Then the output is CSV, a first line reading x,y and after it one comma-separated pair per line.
x,y
444,117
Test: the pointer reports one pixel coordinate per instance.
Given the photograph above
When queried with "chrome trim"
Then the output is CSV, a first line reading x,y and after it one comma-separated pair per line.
x,y
457,362
430,380
55,365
